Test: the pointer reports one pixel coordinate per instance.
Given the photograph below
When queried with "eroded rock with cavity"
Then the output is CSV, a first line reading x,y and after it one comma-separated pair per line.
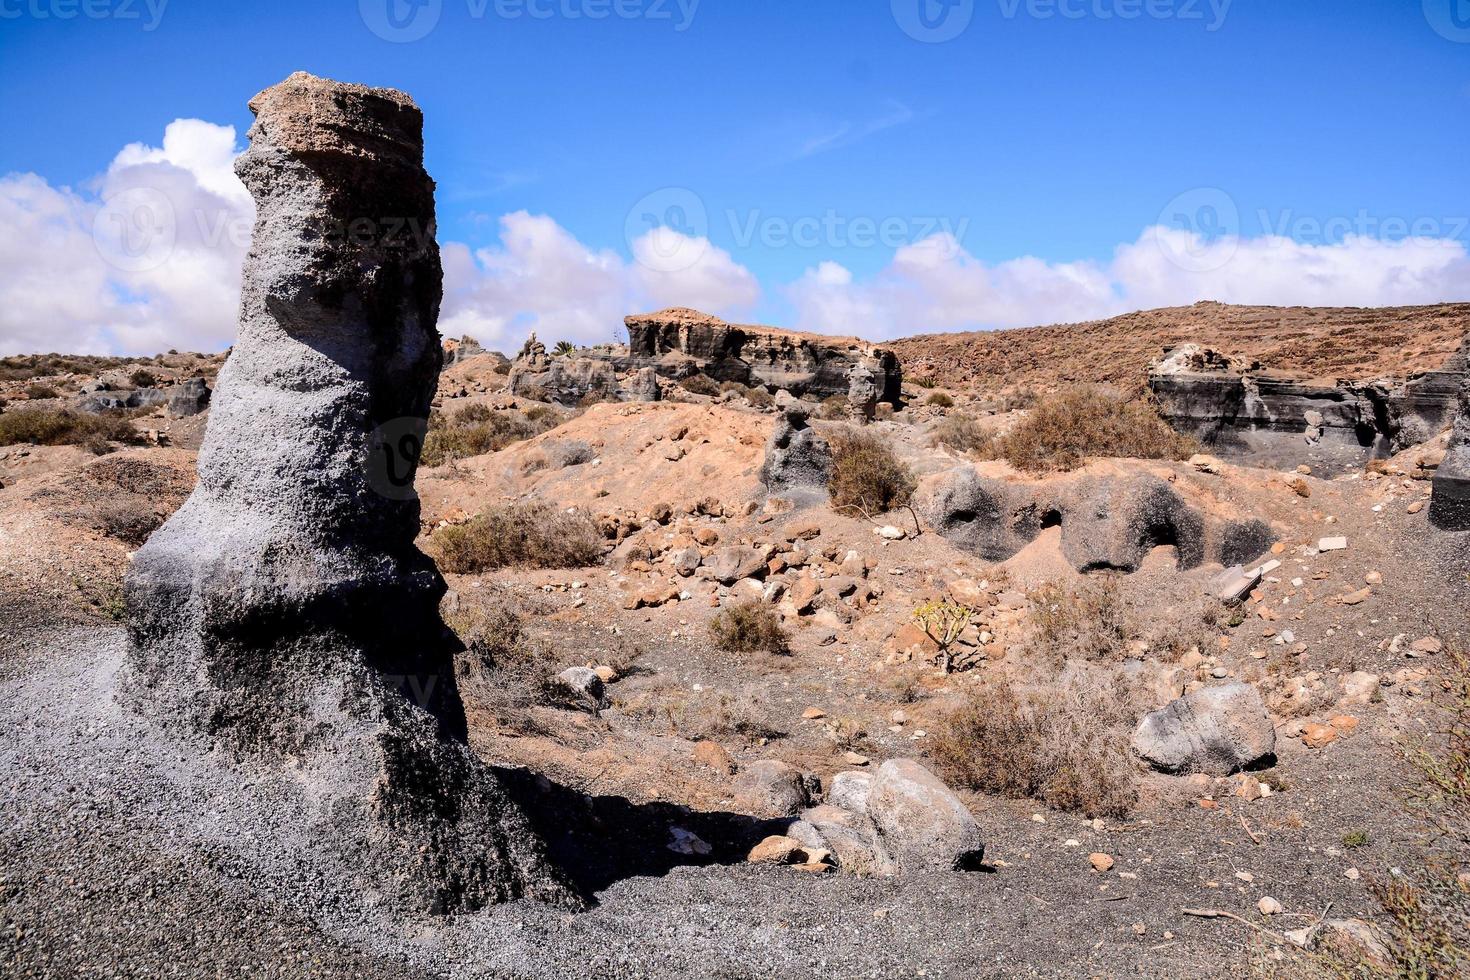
x,y
1216,731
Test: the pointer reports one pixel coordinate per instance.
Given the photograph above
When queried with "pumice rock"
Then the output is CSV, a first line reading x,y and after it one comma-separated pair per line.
x,y
283,614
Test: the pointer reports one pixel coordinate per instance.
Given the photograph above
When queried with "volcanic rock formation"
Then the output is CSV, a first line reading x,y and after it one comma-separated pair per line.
x,y
283,614
1450,507
1106,522
1240,408
796,456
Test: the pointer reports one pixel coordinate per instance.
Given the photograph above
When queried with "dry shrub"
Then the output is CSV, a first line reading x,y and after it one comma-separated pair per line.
x,y
866,473
963,433
1086,622
1193,624
143,379
832,407
759,397
39,391
46,427
1066,748
697,715
518,535
748,627
20,367
699,384
477,429
567,452
1065,428
939,400
504,666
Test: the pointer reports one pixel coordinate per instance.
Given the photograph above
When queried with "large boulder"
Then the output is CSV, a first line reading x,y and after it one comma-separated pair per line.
x,y
1114,523
920,821
797,458
283,615
771,788
990,518
1216,730
735,562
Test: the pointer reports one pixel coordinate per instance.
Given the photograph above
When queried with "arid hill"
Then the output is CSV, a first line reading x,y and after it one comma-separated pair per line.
x,y
1348,343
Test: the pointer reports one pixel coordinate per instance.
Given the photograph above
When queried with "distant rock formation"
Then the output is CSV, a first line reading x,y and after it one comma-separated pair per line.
x,y
566,380
283,614
1244,410
187,398
1106,522
678,342
461,350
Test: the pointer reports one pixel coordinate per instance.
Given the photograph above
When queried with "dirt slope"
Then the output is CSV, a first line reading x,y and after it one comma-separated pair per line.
x,y
1325,343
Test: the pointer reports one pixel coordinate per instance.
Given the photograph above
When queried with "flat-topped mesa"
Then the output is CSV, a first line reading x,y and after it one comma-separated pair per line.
x,y
1245,410
284,612
679,341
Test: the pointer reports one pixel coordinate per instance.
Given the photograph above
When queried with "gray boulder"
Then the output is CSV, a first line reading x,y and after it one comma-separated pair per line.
x,y
582,688
1215,731
188,398
796,456
990,518
283,615
1114,523
1449,508
642,386
920,821
771,788
850,791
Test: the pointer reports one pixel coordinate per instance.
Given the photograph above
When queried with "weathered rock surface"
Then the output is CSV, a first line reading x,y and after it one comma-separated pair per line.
x,y
771,788
1215,731
920,821
797,458
181,400
1450,507
1244,410
679,342
283,613
1106,522
566,379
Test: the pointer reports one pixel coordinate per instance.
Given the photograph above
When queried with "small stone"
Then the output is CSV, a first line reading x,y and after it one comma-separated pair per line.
x,y
1268,905
1373,578
1245,876
854,759
1139,928
1100,862
1354,598
1352,874
605,673
812,714
1315,736
890,533
714,756
778,849
1332,544
1427,644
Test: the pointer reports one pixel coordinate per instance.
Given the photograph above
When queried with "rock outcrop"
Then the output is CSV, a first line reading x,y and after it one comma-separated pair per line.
x,y
1242,409
679,342
187,398
1216,731
1106,522
566,380
797,458
1450,507
283,615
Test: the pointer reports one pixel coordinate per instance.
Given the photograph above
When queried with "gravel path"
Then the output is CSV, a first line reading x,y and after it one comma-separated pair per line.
x,y
127,854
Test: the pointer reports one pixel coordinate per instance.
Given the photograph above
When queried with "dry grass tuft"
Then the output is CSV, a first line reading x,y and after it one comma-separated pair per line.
x,y
46,427
963,433
518,535
866,473
477,429
1063,429
1088,621
748,627
1066,748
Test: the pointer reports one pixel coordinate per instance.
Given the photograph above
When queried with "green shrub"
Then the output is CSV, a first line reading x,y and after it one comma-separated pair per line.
x,y
1065,428
866,473
518,535
48,427
748,627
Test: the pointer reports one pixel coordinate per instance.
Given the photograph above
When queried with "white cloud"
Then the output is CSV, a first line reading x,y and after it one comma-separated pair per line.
x,y
936,285
540,277
146,258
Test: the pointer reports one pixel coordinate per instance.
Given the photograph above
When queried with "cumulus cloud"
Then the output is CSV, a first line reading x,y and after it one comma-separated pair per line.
x,y
936,285
539,277
145,257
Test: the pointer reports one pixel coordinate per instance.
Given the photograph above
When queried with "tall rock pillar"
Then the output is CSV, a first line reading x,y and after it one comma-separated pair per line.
x,y
284,613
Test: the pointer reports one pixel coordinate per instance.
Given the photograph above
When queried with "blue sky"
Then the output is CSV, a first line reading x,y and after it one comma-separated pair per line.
x,y
1059,130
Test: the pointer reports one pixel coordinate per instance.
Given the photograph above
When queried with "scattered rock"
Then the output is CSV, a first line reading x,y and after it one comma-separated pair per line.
x,y
1216,730
920,821
1100,862
712,755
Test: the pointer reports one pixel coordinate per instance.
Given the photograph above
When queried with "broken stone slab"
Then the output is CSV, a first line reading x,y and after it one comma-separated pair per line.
x,y
1234,585
1216,731
921,823
1338,543
283,615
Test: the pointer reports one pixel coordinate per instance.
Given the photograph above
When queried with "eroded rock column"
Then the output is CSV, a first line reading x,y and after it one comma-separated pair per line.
x,y
283,612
